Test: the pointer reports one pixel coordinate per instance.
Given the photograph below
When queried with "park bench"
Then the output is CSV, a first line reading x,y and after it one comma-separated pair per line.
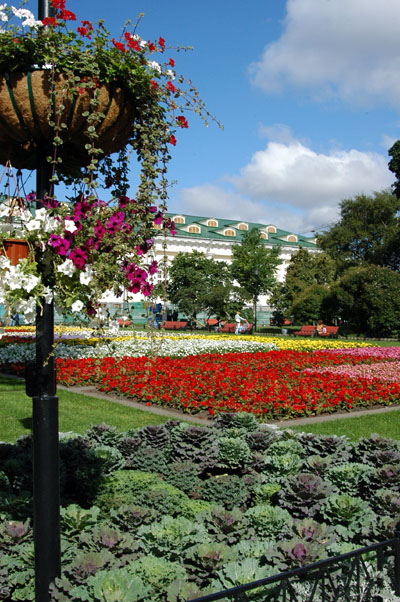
x,y
174,325
124,323
231,327
307,331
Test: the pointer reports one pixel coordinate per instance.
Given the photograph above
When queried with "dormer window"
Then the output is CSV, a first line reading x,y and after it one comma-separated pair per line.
x,y
229,232
263,235
194,229
212,223
292,238
271,229
179,219
243,227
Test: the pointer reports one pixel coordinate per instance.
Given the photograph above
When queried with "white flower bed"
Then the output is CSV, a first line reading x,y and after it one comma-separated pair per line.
x,y
136,347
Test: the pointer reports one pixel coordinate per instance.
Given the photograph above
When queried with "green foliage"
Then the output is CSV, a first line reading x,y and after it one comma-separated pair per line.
x,y
352,478
103,434
233,452
234,574
194,444
254,265
366,299
227,490
269,522
302,494
368,232
203,560
123,486
171,537
183,475
307,276
226,526
75,520
158,574
266,493
197,283
130,517
118,585
351,517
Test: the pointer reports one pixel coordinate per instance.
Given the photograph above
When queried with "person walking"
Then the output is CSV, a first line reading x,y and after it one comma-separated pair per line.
x,y
238,320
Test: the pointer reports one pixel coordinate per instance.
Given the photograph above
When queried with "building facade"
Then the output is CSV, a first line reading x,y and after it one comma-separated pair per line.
x,y
215,238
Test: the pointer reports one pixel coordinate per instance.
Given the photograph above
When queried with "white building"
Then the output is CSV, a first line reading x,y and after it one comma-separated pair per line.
x,y
215,237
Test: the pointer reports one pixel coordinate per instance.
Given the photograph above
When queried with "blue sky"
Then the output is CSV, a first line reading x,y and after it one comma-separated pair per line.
x,y
308,92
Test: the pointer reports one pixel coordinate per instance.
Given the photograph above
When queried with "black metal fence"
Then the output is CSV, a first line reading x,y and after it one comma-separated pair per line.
x,y
352,577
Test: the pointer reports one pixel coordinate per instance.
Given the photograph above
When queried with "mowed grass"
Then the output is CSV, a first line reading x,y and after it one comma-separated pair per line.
x,y
386,424
76,412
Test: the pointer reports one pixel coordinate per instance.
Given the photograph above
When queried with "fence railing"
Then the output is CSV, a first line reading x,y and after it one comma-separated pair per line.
x,y
352,577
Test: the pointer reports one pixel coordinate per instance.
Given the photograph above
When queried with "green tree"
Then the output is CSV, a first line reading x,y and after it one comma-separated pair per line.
x,y
254,267
368,232
394,166
367,299
306,274
198,284
307,307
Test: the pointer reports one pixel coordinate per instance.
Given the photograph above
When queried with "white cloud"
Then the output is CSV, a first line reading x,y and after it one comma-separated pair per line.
x,y
295,174
291,186
346,48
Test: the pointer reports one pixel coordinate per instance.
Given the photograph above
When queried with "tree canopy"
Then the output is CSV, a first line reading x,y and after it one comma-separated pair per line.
x,y
199,284
368,232
253,265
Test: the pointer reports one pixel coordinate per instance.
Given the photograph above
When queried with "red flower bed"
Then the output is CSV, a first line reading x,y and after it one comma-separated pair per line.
x,y
272,385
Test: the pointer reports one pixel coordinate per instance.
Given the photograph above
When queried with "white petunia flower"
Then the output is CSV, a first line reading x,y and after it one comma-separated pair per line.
x,y
4,262
48,295
170,74
77,305
86,276
69,225
30,282
67,268
33,224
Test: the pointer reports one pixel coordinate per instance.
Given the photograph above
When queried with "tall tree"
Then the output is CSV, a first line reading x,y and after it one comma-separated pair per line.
x,y
307,273
368,232
254,267
198,284
367,299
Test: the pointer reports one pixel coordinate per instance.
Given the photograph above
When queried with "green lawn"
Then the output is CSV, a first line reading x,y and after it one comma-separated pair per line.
x,y
354,427
76,412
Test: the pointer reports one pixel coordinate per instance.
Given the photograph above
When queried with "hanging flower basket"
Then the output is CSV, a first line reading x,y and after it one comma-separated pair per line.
x,y
30,101
15,249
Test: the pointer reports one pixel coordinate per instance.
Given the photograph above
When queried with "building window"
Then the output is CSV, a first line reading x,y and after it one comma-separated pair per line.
x,y
292,238
194,229
230,232
212,223
178,219
243,227
271,229
263,235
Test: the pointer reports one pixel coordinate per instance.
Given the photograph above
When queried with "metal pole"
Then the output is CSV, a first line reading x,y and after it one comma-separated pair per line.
x,y
46,472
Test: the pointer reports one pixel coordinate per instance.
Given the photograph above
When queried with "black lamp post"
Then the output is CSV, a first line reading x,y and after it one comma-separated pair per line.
x,y
41,386
257,282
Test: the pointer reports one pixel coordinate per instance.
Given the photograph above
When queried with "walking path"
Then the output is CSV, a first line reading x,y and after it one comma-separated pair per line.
x,y
203,418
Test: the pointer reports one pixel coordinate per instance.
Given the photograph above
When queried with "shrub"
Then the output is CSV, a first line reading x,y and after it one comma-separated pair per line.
x,y
226,526
158,574
227,490
233,452
148,459
269,522
171,537
123,486
303,493
183,475
351,478
194,444
103,434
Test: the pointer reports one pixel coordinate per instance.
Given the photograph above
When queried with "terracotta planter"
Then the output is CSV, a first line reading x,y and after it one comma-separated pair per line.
x,y
15,249
25,99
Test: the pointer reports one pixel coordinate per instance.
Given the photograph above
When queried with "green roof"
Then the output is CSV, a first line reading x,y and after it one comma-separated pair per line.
x,y
217,233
